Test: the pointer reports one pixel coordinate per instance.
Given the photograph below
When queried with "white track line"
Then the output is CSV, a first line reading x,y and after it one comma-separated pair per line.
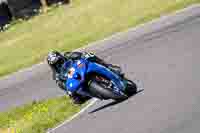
x,y
74,116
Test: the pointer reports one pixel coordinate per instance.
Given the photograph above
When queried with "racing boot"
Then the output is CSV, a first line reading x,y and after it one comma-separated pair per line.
x,y
116,69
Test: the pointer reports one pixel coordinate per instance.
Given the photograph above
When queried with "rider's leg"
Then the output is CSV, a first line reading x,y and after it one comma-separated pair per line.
x,y
113,68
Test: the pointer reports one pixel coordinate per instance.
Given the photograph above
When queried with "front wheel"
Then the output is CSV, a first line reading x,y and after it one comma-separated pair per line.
x,y
100,91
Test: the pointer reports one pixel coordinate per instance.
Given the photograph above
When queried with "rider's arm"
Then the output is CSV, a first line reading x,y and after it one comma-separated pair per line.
x,y
73,55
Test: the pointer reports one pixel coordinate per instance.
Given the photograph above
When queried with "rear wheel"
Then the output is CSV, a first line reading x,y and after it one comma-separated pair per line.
x,y
100,89
131,88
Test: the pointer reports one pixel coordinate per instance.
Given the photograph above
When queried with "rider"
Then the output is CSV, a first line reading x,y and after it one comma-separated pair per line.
x,y
56,61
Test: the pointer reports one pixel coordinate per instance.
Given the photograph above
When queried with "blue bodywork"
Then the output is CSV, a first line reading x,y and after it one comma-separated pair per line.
x,y
76,71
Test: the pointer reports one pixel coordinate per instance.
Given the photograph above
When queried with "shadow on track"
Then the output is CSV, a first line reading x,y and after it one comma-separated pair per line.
x,y
113,103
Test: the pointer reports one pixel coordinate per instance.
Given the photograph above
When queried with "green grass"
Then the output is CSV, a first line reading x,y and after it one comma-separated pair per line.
x,y
38,116
77,24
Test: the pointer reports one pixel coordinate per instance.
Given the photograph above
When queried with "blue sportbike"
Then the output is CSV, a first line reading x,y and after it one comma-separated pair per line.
x,y
91,79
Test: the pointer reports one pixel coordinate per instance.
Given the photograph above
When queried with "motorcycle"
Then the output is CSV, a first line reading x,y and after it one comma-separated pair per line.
x,y
91,79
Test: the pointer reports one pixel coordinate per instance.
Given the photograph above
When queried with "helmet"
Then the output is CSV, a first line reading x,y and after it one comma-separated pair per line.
x,y
53,57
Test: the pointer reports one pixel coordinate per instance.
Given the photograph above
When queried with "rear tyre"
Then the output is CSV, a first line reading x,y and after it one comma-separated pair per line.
x,y
131,88
98,90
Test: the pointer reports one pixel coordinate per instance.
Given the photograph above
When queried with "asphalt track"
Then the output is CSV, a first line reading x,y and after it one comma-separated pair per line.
x,y
163,55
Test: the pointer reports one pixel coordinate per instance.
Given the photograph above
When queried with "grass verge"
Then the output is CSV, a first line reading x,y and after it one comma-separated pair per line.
x,y
38,116
77,24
